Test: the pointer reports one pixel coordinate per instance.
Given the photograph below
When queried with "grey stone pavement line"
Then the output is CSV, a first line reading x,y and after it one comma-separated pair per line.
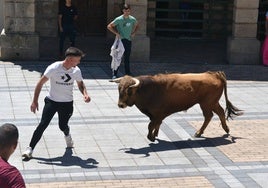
x,y
111,144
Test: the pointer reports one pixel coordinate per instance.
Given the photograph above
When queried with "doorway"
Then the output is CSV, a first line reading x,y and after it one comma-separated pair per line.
x,y
92,17
263,7
190,19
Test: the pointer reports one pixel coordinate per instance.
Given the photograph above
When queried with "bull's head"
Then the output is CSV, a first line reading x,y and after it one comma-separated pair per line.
x,y
127,90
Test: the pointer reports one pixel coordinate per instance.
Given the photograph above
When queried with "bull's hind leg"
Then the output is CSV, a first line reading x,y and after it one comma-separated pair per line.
x,y
153,128
157,127
207,115
220,112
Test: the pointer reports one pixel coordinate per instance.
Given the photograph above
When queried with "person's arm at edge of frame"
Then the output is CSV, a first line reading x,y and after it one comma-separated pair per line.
x,y
37,90
83,90
111,27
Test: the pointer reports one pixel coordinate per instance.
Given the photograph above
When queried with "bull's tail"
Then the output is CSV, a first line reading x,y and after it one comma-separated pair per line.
x,y
231,111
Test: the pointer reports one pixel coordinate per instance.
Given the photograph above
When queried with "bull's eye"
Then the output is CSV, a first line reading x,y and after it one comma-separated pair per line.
x,y
120,95
129,92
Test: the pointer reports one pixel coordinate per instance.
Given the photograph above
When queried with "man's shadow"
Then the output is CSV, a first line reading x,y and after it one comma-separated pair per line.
x,y
163,145
68,160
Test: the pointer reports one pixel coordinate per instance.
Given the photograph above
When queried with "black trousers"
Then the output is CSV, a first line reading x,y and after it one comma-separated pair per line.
x,y
127,46
64,110
68,30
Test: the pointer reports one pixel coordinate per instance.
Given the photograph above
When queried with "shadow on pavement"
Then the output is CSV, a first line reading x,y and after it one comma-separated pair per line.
x,y
68,160
163,145
233,72
166,56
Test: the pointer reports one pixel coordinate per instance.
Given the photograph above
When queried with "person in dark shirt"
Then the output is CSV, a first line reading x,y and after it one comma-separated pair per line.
x,y
66,17
9,175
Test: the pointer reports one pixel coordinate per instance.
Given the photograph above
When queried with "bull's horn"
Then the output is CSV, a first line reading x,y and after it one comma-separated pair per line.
x,y
117,80
137,82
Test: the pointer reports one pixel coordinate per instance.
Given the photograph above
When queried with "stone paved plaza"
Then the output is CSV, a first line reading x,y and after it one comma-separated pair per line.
x,y
111,148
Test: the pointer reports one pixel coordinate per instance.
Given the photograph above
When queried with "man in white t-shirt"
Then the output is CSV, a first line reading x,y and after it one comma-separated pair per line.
x,y
62,75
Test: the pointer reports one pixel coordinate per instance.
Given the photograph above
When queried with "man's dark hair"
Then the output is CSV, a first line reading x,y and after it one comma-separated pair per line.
x,y
9,135
125,6
72,51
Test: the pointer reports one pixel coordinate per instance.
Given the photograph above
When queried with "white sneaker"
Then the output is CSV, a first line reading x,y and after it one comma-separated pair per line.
x,y
69,141
28,153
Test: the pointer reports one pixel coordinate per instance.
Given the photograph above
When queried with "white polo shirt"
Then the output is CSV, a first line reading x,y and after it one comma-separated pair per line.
x,y
62,81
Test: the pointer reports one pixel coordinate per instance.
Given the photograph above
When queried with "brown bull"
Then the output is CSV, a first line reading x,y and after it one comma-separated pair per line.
x,y
162,95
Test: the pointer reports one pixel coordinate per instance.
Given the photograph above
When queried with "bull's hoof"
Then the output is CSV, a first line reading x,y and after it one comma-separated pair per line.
x,y
198,135
227,130
152,139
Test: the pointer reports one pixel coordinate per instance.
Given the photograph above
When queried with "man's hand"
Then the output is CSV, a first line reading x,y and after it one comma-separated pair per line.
x,y
133,35
87,99
34,107
117,35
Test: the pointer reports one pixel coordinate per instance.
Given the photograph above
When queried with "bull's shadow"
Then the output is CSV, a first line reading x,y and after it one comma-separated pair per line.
x,y
163,145
68,160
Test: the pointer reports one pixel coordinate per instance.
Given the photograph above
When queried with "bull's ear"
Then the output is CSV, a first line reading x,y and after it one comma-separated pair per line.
x,y
117,80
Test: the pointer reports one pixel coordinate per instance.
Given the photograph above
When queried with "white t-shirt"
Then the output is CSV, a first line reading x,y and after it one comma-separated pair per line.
x,y
62,81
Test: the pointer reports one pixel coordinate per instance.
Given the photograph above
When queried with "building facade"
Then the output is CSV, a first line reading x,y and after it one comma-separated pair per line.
x,y
25,23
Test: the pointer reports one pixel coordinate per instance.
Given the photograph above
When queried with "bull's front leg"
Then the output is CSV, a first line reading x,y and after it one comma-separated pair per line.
x,y
153,129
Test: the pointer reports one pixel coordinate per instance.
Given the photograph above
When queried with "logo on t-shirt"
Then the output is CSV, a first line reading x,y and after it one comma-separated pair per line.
x,y
126,24
66,78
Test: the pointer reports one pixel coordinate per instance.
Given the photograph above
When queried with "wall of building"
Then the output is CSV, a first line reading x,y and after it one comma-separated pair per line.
x,y
1,15
25,22
46,18
20,41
